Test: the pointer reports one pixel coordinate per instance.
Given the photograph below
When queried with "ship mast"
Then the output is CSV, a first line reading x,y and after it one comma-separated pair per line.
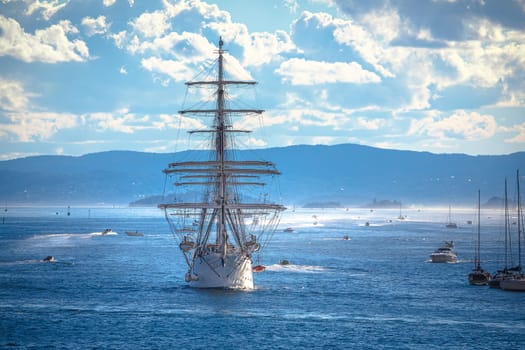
x,y
220,146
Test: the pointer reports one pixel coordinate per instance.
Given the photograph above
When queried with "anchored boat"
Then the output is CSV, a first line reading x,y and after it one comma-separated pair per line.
x,y
478,276
225,225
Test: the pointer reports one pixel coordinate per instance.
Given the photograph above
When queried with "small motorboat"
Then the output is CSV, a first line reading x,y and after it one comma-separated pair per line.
x,y
49,258
106,231
288,229
134,233
284,262
444,254
259,268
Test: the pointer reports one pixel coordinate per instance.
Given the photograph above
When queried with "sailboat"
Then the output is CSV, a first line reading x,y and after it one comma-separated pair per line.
x,y
221,230
497,277
450,224
400,217
478,276
516,280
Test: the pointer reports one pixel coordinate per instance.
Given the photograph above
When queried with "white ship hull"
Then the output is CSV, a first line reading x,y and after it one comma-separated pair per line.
x,y
443,258
212,271
515,283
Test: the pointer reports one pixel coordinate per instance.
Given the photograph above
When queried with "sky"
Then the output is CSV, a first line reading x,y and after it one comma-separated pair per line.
x,y
85,76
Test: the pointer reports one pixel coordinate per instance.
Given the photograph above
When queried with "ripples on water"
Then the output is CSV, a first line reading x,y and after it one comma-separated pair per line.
x,y
374,290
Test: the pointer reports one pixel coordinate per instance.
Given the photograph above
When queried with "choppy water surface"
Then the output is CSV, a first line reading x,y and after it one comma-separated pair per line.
x,y
374,290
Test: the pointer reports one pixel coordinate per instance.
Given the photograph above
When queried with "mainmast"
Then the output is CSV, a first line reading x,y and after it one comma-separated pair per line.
x,y
220,146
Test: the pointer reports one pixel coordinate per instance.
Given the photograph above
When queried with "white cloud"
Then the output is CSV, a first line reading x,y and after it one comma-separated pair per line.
x,y
13,96
369,48
50,45
151,25
520,134
302,72
254,142
95,25
264,48
109,3
370,124
174,69
459,125
48,8
151,34
35,126
258,48
119,38
384,24
188,47
120,121
292,5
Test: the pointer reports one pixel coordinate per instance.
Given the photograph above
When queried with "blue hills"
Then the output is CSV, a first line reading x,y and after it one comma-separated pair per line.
x,y
346,175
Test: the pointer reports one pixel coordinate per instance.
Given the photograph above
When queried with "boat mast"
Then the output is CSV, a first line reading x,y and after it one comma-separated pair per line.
x,y
519,220
506,226
478,248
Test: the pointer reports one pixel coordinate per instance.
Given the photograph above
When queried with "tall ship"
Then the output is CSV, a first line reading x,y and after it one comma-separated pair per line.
x,y
221,212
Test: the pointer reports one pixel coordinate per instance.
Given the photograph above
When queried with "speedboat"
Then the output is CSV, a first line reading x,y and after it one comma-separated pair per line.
x,y
134,233
259,268
444,254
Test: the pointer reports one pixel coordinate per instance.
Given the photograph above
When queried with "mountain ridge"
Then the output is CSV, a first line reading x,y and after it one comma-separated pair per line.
x,y
347,173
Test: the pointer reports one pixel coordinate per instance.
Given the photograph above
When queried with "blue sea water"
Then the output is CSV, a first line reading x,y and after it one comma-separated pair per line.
x,y
376,290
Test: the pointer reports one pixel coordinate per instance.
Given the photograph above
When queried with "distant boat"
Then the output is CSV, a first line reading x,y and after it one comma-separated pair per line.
x,y
284,262
400,217
478,276
134,233
450,224
259,268
288,229
516,280
49,258
444,254
106,231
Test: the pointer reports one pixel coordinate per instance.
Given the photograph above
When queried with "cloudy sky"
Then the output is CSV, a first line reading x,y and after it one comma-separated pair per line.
x,y
84,76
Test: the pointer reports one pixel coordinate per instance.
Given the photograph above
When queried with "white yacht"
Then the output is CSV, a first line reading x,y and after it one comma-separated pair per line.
x,y
444,254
